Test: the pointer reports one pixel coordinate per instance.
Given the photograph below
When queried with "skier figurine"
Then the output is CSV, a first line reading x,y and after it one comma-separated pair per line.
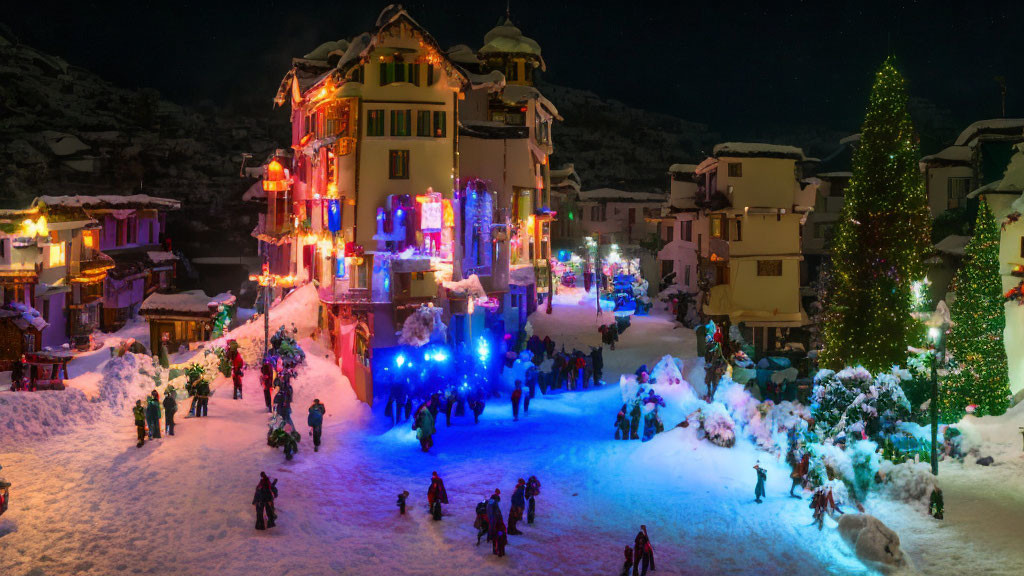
x,y
762,475
140,422
629,561
263,500
170,407
153,415
532,491
436,495
515,513
481,521
401,501
517,395
315,420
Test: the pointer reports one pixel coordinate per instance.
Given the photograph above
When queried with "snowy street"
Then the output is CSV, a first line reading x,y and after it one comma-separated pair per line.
x,y
88,502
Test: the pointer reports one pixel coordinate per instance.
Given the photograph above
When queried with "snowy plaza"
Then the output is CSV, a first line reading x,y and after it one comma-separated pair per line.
x,y
511,288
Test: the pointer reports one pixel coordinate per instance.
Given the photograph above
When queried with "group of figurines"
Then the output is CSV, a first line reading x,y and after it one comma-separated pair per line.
x,y
610,332
148,416
489,521
642,408
570,370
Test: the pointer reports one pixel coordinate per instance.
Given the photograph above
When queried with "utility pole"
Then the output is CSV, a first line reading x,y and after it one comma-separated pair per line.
x,y
1001,80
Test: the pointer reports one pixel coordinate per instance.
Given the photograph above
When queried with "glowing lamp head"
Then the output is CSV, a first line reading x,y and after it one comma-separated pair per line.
x,y
934,333
400,360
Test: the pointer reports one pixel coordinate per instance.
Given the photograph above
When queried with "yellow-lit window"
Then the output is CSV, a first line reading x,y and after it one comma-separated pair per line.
x,y
716,226
89,239
58,254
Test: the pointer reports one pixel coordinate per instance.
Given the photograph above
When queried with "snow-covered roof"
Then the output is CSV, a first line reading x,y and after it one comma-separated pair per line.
x,y
953,244
324,50
835,175
191,302
683,168
611,194
23,316
507,39
157,256
462,54
109,202
493,80
1005,126
849,139
469,287
255,192
950,155
518,93
757,149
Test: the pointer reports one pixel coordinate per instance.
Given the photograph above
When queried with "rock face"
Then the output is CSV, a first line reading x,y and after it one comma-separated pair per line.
x,y
872,541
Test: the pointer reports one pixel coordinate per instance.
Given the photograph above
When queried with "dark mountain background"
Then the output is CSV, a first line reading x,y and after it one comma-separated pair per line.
x,y
136,140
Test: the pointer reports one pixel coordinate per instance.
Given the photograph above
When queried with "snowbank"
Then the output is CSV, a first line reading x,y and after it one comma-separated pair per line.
x,y
910,481
872,541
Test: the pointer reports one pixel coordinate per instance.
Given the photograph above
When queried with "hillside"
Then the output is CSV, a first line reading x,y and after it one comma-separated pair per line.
x,y
64,130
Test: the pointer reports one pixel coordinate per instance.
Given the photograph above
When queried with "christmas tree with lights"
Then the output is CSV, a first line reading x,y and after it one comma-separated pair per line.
x,y
976,340
881,239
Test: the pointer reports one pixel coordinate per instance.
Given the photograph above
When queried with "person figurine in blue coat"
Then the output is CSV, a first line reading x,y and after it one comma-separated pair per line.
x,y
315,421
762,475
515,514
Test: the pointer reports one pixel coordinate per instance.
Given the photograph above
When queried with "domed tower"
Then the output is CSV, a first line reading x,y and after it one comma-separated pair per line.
x,y
516,56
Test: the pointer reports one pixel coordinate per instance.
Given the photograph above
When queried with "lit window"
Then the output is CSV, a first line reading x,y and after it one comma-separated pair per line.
x,y
58,254
956,192
374,122
735,170
716,226
440,124
401,122
398,164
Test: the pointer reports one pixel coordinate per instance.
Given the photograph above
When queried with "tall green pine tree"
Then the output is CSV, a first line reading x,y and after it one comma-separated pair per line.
x,y
881,238
976,341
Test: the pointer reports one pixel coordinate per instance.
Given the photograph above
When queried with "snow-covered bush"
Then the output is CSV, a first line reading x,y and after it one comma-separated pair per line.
x,y
852,402
719,427
908,482
666,371
421,325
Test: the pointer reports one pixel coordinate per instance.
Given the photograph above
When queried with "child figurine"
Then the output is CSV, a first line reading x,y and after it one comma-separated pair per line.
x,y
762,475
401,502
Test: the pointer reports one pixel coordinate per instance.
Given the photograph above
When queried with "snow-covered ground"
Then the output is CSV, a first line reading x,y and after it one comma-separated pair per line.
x,y
86,501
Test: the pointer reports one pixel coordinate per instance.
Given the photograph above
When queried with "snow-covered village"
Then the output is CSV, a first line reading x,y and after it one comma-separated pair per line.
x,y
405,293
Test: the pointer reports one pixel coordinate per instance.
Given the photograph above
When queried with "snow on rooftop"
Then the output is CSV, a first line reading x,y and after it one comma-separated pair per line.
x,y
23,316
522,275
324,50
953,244
492,80
517,93
191,301
683,168
109,201
745,149
849,139
994,125
157,256
949,154
462,54
612,194
507,39
835,175
470,287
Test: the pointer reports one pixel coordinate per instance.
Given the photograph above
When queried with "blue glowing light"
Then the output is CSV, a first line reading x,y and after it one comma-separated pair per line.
x,y
483,350
400,360
440,356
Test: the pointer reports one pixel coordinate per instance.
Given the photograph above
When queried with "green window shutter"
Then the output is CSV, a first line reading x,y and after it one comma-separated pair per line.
x,y
383,73
430,75
399,71
440,124
423,123
414,74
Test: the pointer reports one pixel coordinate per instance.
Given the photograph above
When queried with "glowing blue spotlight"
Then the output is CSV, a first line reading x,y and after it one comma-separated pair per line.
x,y
483,350
400,360
440,356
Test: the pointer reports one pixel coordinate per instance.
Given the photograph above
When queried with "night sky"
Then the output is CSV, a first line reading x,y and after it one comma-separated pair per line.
x,y
729,64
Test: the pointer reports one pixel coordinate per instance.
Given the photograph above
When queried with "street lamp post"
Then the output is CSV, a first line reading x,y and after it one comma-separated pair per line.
x,y
268,282
936,334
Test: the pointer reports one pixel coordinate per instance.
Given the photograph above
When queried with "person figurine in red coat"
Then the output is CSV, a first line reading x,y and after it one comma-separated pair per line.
x,y
500,538
436,495
643,553
517,395
267,381
237,365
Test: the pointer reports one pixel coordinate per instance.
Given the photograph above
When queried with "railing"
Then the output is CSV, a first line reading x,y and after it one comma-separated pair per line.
x,y
339,293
